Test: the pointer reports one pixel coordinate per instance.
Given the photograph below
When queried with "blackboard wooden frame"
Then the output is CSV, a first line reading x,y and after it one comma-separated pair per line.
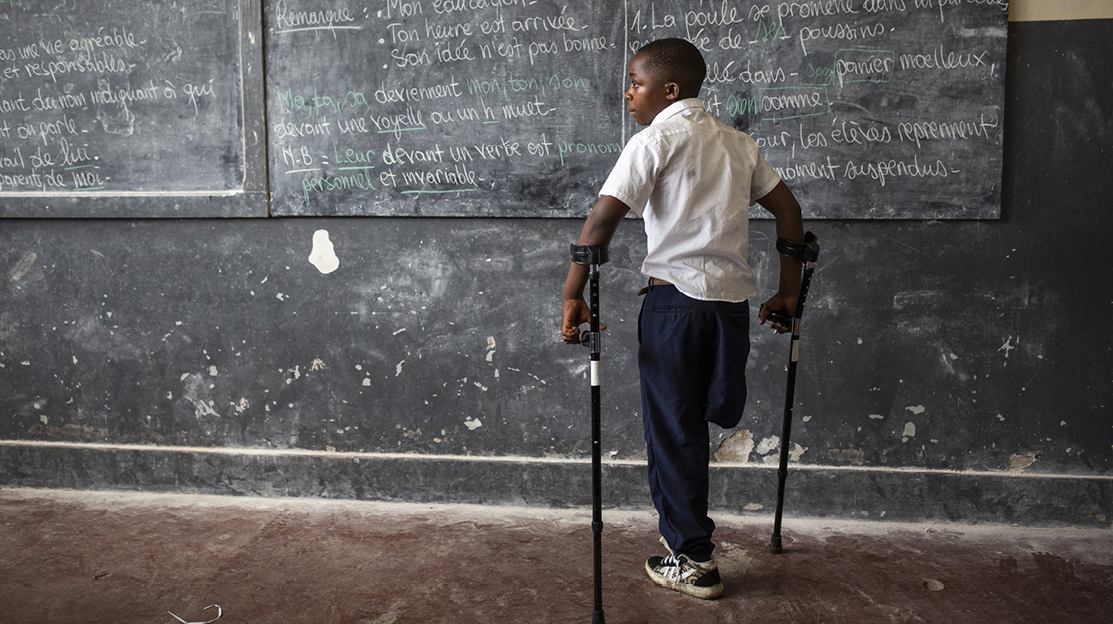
x,y
249,200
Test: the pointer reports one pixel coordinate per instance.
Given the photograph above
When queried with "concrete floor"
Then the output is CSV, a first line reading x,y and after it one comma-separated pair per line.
x,y
109,557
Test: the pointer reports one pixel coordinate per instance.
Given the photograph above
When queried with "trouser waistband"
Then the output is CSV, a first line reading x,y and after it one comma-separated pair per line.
x,y
653,281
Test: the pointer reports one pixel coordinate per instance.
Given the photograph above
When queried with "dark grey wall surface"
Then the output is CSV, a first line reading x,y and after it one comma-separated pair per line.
x,y
954,370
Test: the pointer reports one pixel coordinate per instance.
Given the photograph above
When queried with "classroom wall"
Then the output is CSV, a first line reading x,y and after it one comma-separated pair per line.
x,y
950,370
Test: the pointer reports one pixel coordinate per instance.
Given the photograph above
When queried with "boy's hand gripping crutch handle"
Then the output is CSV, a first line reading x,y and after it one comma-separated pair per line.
x,y
592,256
808,253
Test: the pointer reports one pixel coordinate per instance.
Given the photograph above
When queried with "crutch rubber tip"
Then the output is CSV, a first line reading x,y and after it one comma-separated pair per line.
x,y
775,546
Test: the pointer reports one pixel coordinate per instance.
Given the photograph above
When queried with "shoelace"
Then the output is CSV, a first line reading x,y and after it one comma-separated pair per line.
x,y
674,569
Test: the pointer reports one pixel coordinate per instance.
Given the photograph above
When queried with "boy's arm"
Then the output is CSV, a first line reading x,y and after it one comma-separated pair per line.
x,y
790,224
599,228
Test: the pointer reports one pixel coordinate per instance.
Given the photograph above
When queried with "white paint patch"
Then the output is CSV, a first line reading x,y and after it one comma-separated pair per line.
x,y
1008,346
877,416
367,381
44,419
916,409
213,372
909,431
398,368
768,444
323,255
472,425
796,452
754,507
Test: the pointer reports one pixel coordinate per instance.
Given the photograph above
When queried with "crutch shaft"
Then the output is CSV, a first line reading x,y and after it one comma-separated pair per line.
x,y
593,256
808,251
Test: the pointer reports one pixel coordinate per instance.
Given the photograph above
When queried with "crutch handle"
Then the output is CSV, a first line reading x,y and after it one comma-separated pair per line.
x,y
780,318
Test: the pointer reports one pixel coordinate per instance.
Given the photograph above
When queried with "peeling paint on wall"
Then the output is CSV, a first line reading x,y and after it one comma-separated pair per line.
x,y
768,444
323,255
1017,463
1008,346
850,456
735,448
796,451
909,431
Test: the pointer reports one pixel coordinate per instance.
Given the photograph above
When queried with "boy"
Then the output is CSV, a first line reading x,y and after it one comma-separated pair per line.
x,y
691,178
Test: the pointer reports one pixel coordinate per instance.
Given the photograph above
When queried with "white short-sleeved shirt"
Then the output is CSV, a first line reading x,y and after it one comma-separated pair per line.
x,y
692,180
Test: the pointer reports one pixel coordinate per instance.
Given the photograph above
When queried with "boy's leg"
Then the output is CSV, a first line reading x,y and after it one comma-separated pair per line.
x,y
692,360
675,367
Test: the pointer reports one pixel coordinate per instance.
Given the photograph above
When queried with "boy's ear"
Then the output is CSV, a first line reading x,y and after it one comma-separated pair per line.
x,y
672,91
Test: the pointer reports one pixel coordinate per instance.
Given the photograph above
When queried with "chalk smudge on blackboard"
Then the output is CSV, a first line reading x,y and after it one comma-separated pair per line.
x,y
1008,346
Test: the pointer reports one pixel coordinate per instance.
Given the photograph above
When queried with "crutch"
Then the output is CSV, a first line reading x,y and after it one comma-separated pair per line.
x,y
807,252
592,256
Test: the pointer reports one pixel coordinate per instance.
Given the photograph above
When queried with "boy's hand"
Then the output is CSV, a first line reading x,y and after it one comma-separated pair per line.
x,y
777,303
600,226
576,313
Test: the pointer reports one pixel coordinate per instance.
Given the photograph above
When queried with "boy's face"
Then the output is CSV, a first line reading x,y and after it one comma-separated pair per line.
x,y
648,93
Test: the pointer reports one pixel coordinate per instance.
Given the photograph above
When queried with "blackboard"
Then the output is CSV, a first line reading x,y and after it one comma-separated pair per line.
x,y
502,108
131,108
442,107
868,108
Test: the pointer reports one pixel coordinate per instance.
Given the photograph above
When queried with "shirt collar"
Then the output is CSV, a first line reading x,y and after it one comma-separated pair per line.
x,y
676,108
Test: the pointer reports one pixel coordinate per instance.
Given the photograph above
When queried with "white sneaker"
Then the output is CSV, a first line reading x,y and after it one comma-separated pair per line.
x,y
684,575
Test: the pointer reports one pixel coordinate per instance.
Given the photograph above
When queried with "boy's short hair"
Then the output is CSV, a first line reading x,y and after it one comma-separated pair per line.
x,y
676,60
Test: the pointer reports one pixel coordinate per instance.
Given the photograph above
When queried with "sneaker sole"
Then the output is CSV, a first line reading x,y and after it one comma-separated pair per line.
x,y
705,593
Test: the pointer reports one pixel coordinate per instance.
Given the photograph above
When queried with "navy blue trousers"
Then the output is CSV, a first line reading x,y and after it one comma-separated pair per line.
x,y
692,361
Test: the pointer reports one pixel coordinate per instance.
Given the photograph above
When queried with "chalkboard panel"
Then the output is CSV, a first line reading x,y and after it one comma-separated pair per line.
x,y
868,108
131,108
442,107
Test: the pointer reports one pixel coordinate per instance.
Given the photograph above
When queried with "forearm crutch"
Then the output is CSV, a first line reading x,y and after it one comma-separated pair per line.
x,y
807,252
592,256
